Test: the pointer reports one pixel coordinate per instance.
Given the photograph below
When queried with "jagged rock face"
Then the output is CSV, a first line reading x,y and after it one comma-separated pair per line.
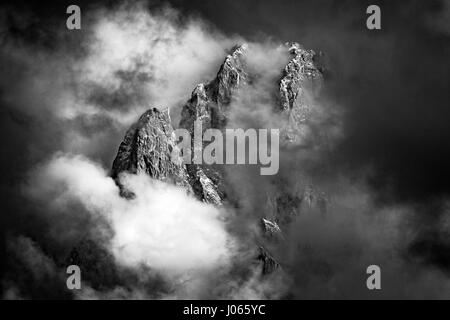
x,y
301,77
300,73
148,144
287,204
269,264
209,190
299,69
147,148
208,104
270,228
231,75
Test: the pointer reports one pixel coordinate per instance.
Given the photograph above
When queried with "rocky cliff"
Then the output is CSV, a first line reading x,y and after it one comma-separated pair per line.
x,y
209,104
300,75
147,148
148,143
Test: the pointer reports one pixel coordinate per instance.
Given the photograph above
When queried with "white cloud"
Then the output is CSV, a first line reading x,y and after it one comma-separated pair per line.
x,y
162,227
168,56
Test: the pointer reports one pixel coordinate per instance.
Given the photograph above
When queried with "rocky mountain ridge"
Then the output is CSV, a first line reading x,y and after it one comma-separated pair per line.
x,y
149,142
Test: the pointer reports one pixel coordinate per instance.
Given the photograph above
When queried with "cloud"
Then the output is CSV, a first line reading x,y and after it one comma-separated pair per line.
x,y
150,56
162,228
327,254
92,85
181,247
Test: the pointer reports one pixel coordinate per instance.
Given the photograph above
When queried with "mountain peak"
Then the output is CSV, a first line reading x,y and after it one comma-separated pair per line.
x,y
147,148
